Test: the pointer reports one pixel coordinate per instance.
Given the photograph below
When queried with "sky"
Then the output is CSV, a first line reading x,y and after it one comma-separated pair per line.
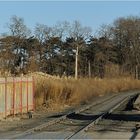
x,y
89,13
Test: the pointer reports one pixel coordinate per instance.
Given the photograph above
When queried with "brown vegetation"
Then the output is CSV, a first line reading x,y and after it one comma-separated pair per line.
x,y
69,49
72,49
56,93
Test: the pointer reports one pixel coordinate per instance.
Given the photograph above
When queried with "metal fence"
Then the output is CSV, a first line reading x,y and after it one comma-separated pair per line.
x,y
16,95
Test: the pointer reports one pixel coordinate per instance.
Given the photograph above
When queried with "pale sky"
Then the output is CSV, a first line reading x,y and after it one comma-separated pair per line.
x,y
89,13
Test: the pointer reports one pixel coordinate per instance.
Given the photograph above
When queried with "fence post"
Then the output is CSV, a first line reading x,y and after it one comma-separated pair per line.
x,y
27,94
33,82
13,96
21,95
5,97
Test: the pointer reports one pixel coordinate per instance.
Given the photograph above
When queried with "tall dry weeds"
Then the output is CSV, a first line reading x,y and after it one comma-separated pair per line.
x,y
55,93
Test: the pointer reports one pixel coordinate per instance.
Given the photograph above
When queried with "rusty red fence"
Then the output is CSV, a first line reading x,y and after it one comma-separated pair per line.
x,y
16,95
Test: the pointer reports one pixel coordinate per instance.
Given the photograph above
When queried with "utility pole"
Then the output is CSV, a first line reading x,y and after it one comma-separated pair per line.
x,y
89,69
76,63
136,72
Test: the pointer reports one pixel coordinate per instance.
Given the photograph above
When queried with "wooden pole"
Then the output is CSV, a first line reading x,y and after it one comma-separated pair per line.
x,y
76,63
89,69
27,95
136,72
33,82
5,97
13,96
21,95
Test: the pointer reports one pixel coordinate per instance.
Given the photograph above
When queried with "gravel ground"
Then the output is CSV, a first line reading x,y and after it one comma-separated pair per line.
x,y
62,130
105,129
15,125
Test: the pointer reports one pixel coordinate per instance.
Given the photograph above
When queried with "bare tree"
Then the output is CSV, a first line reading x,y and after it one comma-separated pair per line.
x,y
127,37
17,27
42,33
61,30
18,32
78,32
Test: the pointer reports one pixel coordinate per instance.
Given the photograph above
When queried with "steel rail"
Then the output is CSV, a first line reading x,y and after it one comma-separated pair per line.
x,y
85,128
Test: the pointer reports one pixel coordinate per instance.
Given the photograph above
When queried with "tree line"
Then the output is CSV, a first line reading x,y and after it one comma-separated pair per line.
x,y
71,49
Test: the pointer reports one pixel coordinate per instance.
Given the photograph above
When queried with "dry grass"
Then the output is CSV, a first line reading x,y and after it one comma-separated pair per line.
x,y
56,93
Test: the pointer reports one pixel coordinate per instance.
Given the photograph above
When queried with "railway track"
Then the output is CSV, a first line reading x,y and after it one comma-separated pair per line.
x,y
81,120
85,128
